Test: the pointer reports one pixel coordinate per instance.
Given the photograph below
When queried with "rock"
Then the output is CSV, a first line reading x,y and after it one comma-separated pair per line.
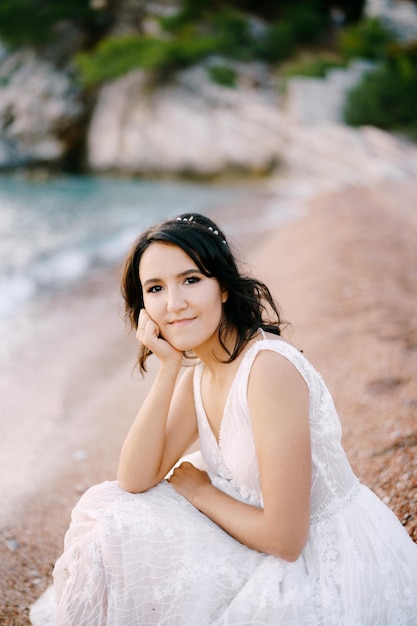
x,y
329,156
195,127
317,100
79,455
399,17
12,545
190,125
37,106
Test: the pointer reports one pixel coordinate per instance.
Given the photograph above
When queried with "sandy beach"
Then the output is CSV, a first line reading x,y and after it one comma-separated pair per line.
x,y
345,275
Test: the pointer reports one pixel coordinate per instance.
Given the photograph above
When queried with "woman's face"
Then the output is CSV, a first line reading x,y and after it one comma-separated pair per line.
x,y
185,304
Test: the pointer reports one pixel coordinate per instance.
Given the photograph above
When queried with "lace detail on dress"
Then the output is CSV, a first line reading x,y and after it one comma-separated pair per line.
x,y
335,506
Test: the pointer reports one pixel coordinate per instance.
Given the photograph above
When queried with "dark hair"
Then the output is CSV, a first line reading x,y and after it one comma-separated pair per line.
x,y
249,305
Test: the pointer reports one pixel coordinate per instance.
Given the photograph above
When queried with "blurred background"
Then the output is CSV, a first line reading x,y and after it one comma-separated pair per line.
x,y
115,114
99,96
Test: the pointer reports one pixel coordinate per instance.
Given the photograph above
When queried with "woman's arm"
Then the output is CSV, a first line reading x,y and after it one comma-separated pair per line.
x,y
165,426
278,400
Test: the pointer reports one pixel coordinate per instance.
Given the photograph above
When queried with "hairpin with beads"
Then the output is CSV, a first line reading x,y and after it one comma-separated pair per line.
x,y
210,228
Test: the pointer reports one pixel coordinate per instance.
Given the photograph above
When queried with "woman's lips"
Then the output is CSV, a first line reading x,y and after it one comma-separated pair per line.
x,y
181,322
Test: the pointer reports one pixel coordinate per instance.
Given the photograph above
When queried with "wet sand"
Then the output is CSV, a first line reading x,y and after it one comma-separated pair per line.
x,y
345,275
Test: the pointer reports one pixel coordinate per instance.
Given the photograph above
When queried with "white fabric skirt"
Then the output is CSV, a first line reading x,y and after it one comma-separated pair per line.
x,y
153,559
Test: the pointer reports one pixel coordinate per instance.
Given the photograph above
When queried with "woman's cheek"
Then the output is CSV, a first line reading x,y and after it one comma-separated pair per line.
x,y
153,310
147,302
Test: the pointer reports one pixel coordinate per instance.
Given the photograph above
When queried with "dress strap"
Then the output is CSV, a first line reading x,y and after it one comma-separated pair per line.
x,y
262,333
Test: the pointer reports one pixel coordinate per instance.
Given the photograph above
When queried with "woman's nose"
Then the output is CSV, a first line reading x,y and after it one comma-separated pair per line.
x,y
175,301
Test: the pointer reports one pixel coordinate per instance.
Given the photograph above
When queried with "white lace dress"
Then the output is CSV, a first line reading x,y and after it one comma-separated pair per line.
x,y
152,558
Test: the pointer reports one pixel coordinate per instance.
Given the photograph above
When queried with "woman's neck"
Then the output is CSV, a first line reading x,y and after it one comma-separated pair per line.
x,y
216,358
216,353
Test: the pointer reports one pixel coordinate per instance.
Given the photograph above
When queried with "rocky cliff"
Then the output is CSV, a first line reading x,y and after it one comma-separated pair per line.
x,y
39,111
190,125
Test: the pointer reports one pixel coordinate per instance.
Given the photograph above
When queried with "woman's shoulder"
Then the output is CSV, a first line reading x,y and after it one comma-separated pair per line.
x,y
268,345
276,353
273,356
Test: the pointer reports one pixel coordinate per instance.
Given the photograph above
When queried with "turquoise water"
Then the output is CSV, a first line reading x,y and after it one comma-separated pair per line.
x,y
65,352
54,232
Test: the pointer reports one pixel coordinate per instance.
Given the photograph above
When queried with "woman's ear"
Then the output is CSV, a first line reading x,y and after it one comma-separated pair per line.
x,y
224,296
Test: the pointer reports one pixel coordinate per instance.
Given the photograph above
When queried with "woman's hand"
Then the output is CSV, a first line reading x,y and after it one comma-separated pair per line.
x,y
188,480
148,334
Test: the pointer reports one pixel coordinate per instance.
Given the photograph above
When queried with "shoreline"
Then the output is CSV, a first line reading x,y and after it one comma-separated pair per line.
x,y
344,275
59,349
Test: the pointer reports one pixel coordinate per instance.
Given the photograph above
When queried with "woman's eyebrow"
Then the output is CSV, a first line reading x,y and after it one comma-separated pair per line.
x,y
180,275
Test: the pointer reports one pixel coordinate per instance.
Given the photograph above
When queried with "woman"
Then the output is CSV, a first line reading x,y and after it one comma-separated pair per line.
x,y
267,525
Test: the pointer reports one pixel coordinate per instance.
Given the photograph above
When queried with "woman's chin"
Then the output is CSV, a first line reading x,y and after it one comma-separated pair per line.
x,y
182,347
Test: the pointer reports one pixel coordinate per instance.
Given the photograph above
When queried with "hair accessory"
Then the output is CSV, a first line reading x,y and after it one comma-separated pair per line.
x,y
210,228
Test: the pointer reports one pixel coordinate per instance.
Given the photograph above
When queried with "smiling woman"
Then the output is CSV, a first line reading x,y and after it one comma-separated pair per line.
x,y
205,249
266,523
184,303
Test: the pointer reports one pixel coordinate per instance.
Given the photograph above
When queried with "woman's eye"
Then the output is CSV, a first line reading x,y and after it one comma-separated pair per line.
x,y
154,289
191,280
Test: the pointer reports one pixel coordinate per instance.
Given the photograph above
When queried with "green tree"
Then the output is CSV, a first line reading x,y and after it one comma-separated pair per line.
x,y
32,22
116,56
387,97
369,39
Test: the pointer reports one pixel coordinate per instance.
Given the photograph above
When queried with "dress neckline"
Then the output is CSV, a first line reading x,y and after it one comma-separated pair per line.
x,y
248,351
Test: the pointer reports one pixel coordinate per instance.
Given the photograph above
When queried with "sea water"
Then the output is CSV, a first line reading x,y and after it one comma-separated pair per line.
x,y
53,232
65,356
63,346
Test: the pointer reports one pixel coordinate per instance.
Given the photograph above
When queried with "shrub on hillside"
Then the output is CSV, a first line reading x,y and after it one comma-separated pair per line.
x,y
308,20
223,75
117,56
232,33
201,28
277,44
316,67
30,22
224,33
387,97
369,39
